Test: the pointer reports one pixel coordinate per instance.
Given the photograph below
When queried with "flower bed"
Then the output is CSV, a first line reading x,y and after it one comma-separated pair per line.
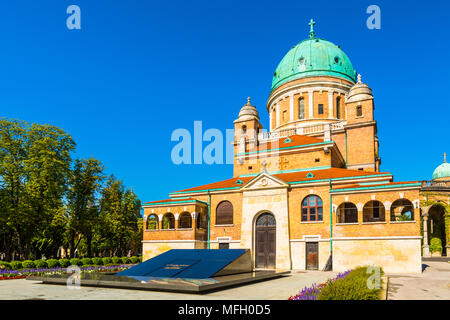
x,y
23,273
311,293
361,283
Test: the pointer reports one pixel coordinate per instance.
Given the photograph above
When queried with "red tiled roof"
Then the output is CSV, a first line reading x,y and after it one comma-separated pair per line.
x,y
331,173
373,185
170,200
297,140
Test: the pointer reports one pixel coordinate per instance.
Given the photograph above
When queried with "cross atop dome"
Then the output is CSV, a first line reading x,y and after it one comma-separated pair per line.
x,y
248,101
311,24
445,157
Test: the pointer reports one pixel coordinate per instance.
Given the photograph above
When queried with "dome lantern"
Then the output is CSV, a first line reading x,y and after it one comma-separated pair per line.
x,y
443,171
313,57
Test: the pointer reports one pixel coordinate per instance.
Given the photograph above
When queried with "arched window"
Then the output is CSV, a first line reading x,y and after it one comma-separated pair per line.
x,y
373,211
312,208
224,213
347,213
244,130
402,210
338,107
266,220
168,221
202,221
185,221
301,108
152,222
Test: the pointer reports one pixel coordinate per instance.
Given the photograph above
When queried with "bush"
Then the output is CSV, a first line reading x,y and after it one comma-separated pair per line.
x,y
28,264
53,263
86,261
76,262
351,287
135,259
97,261
125,260
435,245
107,260
5,265
64,263
116,260
16,265
40,264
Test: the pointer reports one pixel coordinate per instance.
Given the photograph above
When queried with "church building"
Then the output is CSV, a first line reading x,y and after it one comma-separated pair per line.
x,y
307,193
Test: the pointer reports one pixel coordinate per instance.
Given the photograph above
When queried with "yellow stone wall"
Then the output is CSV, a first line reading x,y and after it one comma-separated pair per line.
x,y
393,255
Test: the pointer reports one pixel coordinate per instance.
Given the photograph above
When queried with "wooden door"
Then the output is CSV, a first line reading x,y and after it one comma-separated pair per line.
x,y
312,255
265,238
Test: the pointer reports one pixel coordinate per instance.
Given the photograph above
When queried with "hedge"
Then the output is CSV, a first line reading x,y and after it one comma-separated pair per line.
x,y
53,263
97,261
76,262
352,287
135,259
28,264
125,260
5,265
16,265
86,261
64,263
41,264
107,260
435,245
116,260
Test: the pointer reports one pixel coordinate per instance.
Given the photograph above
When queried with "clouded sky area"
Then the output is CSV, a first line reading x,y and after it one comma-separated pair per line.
x,y
138,70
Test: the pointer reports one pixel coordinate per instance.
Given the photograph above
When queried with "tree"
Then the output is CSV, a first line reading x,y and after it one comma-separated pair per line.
x,y
85,183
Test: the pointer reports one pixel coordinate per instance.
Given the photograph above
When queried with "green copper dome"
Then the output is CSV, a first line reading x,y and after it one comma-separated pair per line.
x,y
313,57
443,171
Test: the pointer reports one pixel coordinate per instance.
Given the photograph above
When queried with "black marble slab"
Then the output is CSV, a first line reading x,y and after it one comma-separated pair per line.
x,y
182,285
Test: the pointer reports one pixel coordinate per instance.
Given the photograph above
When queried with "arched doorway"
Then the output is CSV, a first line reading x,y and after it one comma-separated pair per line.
x,y
265,241
436,226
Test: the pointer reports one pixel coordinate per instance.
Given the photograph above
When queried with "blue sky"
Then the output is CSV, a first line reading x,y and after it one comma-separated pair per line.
x,y
137,70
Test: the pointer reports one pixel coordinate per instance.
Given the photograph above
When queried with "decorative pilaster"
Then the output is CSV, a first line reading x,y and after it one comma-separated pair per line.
x,y
330,105
291,107
311,104
426,247
277,106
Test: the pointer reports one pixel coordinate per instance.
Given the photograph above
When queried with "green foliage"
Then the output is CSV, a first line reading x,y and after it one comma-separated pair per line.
x,y
76,262
135,259
97,261
125,260
116,260
86,261
5,265
41,264
16,265
435,245
107,260
64,263
49,200
28,264
352,287
53,263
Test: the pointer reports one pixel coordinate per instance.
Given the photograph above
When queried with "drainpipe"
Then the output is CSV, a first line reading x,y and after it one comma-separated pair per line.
x,y
209,218
331,223
345,148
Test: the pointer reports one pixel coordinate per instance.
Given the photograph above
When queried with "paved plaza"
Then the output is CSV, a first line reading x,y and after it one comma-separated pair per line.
x,y
432,284
277,289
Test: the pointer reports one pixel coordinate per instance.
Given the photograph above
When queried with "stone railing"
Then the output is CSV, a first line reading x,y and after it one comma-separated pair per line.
x,y
436,185
307,130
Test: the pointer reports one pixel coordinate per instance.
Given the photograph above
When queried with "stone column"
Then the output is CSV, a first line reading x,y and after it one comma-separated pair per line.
x,y
291,107
270,119
330,105
311,104
426,247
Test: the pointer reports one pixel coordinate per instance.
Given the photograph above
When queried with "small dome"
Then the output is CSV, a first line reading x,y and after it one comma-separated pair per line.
x,y
359,92
443,171
313,57
248,112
